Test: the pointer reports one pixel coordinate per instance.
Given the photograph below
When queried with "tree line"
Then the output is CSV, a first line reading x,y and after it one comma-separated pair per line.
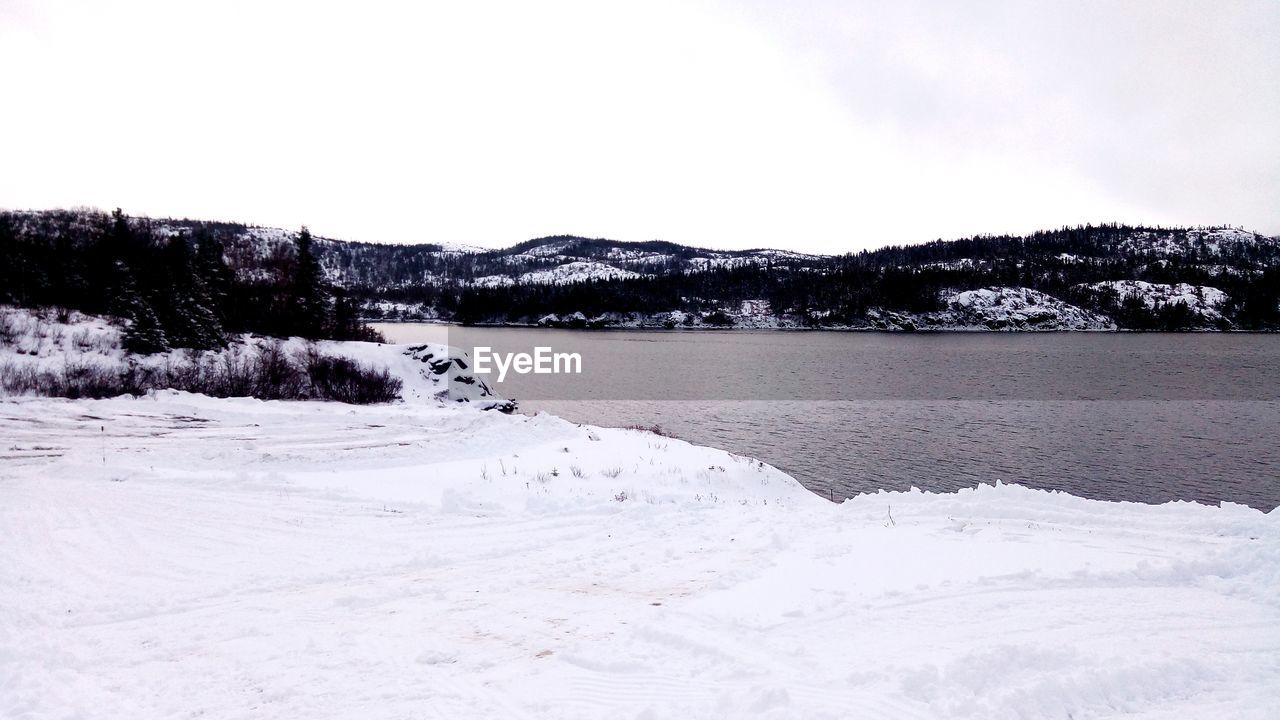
x,y
840,290
190,283
171,289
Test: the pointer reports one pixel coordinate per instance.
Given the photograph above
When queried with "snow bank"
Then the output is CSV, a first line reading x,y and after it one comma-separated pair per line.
x,y
179,555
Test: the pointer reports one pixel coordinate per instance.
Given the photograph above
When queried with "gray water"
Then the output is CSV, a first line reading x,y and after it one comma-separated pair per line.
x,y
1145,417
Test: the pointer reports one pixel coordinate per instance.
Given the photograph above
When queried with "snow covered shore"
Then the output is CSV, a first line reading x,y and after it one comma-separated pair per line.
x,y
180,556
38,350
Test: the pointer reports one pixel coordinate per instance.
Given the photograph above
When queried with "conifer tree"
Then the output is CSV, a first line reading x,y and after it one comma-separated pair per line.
x,y
12,287
346,323
186,308
307,290
211,268
143,331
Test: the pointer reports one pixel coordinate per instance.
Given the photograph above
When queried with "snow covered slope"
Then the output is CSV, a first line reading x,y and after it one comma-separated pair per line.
x,y
177,556
1203,301
996,308
1006,308
1206,242
577,271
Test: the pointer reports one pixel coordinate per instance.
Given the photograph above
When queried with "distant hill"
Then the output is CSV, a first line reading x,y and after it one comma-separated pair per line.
x,y
1090,277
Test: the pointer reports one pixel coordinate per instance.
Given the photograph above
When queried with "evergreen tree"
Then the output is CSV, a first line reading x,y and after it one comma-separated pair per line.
x,y
186,306
1176,316
307,290
12,262
1133,313
211,268
346,324
143,332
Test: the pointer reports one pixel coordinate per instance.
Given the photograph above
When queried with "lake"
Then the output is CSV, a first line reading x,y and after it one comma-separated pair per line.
x,y
1113,416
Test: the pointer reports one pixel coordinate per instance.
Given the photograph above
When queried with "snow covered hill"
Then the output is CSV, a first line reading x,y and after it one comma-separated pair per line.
x,y
545,261
661,284
178,556
1203,301
999,308
1204,242
986,309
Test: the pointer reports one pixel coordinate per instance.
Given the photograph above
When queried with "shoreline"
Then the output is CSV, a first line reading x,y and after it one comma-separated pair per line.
x,y
918,331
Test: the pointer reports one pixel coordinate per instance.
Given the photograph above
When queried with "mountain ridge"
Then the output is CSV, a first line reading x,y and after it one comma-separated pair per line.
x,y
1132,277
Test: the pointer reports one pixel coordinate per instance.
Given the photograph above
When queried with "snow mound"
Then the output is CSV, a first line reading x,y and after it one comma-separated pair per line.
x,y
440,372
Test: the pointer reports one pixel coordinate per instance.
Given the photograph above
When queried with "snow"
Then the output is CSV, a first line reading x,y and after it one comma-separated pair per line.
x,y
985,309
44,338
493,281
1206,241
958,264
390,310
1204,302
995,308
577,271
568,272
1020,308
177,555
460,248
1202,299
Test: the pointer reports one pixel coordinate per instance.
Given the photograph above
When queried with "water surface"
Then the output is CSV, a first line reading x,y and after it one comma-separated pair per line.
x,y
1115,416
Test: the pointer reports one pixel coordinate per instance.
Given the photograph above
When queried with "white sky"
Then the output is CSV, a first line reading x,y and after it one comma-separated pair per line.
x,y
810,125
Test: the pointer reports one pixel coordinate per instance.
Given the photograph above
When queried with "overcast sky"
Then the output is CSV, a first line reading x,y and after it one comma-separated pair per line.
x,y
812,125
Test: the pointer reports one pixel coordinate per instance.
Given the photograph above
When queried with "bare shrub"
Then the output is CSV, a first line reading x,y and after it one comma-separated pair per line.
x,y
269,374
611,473
18,379
74,380
655,429
349,381
12,327
577,472
275,376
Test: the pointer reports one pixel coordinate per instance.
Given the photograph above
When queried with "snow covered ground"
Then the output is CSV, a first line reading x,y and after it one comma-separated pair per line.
x,y
179,556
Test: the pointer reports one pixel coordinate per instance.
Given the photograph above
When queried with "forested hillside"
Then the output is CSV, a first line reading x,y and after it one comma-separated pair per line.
x,y
200,279
172,287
